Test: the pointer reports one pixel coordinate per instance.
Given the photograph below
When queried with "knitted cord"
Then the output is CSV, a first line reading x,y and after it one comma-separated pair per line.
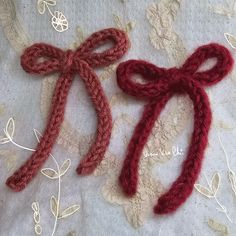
x,y
161,85
68,63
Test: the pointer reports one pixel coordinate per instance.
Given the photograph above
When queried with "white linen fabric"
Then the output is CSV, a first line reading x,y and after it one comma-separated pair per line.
x,y
164,32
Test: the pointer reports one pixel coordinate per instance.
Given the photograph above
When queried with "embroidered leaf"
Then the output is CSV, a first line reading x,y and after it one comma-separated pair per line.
x,y
120,25
218,227
231,40
37,135
79,38
38,229
117,21
36,217
50,173
204,191
215,182
41,5
129,27
232,179
35,206
10,128
50,2
69,211
59,21
54,206
4,140
80,33
65,166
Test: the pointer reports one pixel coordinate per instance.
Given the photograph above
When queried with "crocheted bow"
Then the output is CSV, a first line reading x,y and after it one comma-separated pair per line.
x,y
161,85
68,63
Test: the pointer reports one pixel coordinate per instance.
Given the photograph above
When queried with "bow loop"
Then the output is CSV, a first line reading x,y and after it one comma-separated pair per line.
x,y
224,63
30,59
154,76
95,59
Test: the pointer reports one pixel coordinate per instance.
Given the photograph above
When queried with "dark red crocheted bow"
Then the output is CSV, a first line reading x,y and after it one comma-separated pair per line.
x,y
68,64
161,85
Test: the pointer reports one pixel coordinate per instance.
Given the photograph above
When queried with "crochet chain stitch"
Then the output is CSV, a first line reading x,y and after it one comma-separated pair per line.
x,y
68,64
161,85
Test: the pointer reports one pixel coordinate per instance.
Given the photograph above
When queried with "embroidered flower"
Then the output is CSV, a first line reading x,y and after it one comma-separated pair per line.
x,y
58,20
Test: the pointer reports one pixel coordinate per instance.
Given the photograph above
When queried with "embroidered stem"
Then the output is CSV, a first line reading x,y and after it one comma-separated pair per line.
x,y
58,195
59,183
49,10
48,172
16,144
223,208
231,173
225,153
58,171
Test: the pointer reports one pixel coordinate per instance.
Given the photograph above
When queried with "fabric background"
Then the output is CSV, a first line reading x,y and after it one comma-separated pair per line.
x,y
22,95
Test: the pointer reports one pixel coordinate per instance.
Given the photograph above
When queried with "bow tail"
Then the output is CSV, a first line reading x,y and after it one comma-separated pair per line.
x,y
183,186
104,126
19,180
129,174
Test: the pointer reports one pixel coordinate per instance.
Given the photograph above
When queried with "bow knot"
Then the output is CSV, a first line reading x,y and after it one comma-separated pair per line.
x,y
172,71
67,61
176,78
